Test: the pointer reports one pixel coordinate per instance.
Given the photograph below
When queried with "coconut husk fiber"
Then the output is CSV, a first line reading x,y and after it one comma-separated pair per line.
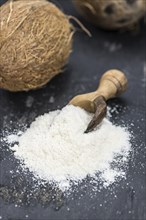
x,y
35,43
112,14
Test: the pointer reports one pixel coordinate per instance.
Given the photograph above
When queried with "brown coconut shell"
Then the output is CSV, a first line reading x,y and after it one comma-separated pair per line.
x,y
112,14
35,43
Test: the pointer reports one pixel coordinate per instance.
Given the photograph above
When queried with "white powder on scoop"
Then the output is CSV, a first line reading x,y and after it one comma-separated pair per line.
x,y
56,149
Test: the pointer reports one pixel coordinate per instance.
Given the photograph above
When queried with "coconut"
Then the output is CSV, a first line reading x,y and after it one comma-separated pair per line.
x,y
112,14
35,43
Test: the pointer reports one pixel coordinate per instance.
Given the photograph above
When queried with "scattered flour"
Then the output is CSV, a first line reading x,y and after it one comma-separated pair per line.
x,y
112,47
51,99
56,149
12,138
29,101
144,76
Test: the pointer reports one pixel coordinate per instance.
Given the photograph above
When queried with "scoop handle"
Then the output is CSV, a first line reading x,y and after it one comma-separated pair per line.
x,y
112,83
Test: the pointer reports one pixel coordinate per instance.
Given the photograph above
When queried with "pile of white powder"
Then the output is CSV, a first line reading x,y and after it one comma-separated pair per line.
x,y
56,149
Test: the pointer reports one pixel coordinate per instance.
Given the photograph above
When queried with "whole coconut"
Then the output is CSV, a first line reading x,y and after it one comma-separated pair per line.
x,y
112,14
35,43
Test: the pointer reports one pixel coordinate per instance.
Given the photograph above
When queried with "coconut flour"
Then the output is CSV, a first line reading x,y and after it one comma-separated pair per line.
x,y
56,149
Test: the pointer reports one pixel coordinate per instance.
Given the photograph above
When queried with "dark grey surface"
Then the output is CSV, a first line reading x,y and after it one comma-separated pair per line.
x,y
90,58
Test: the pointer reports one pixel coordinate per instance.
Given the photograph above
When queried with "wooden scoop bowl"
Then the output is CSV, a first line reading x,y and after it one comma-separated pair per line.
x,y
112,84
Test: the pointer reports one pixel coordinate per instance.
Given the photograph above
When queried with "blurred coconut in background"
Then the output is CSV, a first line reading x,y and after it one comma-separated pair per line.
x,y
112,14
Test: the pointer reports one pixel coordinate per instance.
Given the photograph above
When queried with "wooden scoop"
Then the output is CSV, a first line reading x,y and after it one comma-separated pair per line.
x,y
112,84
